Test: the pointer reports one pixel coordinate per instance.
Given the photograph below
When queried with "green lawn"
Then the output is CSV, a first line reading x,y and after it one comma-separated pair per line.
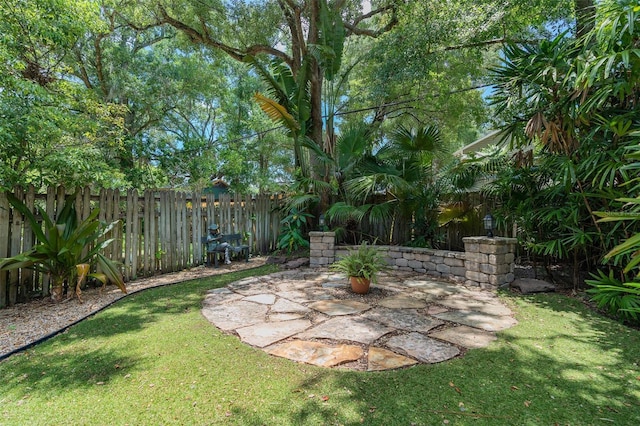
x,y
153,359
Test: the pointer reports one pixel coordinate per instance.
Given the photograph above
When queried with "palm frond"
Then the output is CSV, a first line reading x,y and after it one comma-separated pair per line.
x,y
277,112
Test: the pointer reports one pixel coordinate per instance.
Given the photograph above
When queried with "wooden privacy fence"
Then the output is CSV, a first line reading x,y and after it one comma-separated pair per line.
x,y
158,231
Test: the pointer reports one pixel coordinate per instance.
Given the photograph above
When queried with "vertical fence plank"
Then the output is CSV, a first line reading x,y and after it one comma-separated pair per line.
x,y
211,211
186,237
105,214
170,238
176,238
162,230
224,213
165,231
196,231
251,213
155,233
147,224
135,230
128,237
237,224
178,222
265,222
259,202
173,234
4,247
254,225
85,210
118,215
15,247
50,211
275,209
61,194
27,284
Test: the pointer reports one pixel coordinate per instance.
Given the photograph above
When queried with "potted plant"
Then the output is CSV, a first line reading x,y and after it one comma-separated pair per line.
x,y
361,266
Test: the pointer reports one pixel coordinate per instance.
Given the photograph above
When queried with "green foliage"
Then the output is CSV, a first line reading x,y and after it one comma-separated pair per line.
x,y
573,101
365,262
292,236
620,299
64,245
391,182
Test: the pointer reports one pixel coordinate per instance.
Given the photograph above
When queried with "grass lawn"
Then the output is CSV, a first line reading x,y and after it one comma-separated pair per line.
x,y
153,359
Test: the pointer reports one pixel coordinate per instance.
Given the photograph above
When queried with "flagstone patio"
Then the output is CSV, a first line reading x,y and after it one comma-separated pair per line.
x,y
312,316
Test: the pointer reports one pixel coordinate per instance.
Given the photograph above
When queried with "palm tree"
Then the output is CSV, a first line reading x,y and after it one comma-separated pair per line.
x,y
401,171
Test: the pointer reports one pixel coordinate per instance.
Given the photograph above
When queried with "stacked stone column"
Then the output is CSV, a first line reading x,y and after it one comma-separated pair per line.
x,y
322,248
489,261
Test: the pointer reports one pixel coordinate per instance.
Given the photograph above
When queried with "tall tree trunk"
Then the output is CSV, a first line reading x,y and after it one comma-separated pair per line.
x,y
315,83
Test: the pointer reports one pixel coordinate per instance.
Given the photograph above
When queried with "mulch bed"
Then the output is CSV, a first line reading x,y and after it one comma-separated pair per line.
x,y
24,324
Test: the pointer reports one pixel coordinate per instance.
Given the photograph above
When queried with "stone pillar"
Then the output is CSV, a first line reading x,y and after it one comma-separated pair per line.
x,y
322,248
489,261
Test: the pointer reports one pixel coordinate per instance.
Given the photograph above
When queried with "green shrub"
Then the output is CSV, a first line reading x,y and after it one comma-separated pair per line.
x,y
620,299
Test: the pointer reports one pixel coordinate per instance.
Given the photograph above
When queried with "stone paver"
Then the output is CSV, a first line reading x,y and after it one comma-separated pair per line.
x,y
284,305
265,334
478,320
311,316
402,302
433,310
384,359
403,319
492,307
423,348
465,336
317,353
297,295
339,307
286,316
264,299
435,288
237,314
356,329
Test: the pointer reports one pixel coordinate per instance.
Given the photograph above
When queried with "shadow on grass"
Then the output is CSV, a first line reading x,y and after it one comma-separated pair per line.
x,y
74,358
136,311
54,374
563,364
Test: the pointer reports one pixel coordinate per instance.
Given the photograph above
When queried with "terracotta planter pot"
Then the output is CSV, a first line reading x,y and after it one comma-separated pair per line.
x,y
360,285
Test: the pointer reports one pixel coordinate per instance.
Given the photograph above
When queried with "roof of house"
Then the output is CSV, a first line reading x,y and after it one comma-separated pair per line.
x,y
493,138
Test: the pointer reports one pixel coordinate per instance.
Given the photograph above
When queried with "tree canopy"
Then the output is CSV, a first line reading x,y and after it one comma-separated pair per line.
x,y
162,93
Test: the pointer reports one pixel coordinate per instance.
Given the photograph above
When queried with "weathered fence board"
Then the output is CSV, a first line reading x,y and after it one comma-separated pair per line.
x,y
26,278
15,248
4,246
196,227
135,233
158,231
